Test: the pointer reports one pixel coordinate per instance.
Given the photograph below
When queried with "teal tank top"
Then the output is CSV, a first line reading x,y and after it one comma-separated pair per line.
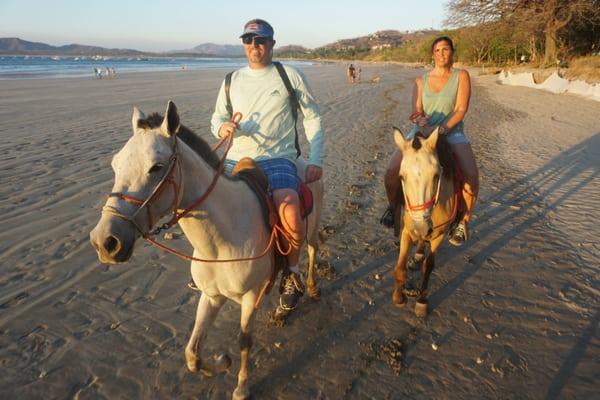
x,y
438,106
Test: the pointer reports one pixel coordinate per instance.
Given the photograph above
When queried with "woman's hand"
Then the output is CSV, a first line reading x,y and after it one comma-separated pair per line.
x,y
419,118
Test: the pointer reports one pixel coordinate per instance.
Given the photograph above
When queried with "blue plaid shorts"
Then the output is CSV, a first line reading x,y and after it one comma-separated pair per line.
x,y
281,172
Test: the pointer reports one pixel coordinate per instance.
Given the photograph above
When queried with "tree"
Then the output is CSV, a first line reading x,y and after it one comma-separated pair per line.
x,y
545,21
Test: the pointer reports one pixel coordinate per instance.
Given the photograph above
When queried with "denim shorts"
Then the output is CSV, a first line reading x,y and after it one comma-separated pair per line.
x,y
281,172
457,137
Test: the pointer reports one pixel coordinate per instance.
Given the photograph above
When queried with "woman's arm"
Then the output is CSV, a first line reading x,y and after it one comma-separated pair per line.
x,y
417,102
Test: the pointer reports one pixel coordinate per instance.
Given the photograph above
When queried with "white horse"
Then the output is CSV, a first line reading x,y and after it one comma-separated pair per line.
x,y
156,172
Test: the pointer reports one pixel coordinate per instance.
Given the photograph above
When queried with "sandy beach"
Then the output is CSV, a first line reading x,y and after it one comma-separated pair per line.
x,y
514,312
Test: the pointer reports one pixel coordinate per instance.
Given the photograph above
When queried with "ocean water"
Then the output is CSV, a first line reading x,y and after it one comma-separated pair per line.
x,y
31,67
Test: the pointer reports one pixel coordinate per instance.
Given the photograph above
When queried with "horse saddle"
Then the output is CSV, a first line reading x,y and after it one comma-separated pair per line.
x,y
247,170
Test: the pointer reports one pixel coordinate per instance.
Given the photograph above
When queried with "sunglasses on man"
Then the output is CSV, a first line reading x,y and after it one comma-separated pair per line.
x,y
258,40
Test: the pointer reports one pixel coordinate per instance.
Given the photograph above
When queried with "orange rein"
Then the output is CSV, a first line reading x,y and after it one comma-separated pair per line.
x,y
168,178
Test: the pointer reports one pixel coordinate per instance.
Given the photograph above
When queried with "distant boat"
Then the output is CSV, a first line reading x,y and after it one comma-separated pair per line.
x,y
142,59
55,58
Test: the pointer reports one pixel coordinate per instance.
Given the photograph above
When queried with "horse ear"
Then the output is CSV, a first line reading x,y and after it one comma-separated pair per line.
x,y
170,124
432,139
401,142
137,115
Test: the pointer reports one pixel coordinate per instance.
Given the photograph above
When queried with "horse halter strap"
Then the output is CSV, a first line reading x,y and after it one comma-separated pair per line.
x,y
428,204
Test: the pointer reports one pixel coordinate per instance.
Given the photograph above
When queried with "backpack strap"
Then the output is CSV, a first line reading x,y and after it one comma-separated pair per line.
x,y
293,101
292,96
227,96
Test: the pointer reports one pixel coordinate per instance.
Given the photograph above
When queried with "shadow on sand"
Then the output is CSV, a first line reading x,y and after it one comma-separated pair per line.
x,y
574,168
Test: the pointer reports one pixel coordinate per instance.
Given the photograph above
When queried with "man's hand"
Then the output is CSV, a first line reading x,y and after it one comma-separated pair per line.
x,y
228,128
313,173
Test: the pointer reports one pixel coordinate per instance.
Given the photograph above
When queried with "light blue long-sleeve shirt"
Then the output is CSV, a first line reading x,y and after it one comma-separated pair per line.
x,y
267,127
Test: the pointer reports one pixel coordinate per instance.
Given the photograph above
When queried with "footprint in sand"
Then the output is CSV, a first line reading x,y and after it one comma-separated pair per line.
x,y
15,300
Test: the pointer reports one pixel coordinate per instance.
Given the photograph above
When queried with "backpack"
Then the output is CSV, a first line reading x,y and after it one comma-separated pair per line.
x,y
292,96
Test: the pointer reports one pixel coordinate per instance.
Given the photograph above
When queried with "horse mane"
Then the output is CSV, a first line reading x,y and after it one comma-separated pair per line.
x,y
195,142
199,146
444,153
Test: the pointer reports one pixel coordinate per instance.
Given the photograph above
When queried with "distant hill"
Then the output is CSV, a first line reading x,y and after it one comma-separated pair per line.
x,y
292,50
223,50
20,46
386,45
379,40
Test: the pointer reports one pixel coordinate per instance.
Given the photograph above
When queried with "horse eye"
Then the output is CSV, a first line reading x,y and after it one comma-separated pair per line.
x,y
156,168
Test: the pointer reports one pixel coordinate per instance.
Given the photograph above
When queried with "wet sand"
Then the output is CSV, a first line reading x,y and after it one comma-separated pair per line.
x,y
514,312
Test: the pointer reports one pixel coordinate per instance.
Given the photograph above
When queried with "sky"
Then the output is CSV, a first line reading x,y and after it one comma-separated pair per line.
x,y
162,25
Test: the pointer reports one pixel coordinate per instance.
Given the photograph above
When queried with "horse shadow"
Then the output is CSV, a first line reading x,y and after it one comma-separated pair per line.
x,y
574,169
518,199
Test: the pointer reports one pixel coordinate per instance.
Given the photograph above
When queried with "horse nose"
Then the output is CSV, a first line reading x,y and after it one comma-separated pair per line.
x,y
112,245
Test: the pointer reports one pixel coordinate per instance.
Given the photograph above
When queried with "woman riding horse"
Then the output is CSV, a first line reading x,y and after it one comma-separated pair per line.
x,y
440,99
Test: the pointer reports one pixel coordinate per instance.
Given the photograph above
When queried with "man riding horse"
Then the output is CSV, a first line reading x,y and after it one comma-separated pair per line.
x,y
267,94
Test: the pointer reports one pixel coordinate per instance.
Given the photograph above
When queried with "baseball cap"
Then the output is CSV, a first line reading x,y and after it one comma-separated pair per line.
x,y
258,27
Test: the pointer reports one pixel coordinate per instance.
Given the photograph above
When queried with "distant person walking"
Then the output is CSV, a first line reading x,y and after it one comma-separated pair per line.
x,y
358,72
350,73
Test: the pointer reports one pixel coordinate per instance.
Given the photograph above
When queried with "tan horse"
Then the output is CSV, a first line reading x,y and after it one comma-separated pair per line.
x,y
431,206
156,173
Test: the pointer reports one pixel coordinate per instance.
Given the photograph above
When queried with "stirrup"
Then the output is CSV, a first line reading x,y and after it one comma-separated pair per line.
x,y
387,219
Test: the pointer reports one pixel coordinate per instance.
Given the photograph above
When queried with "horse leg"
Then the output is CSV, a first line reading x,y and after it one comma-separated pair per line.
x,y
248,301
426,269
420,252
208,308
398,297
413,263
311,286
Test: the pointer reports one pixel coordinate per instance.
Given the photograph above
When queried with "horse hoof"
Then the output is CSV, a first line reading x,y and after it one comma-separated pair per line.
x,y
421,308
398,298
314,294
222,363
241,394
411,291
277,318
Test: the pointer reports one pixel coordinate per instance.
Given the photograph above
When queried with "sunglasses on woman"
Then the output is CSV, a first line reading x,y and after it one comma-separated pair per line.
x,y
258,40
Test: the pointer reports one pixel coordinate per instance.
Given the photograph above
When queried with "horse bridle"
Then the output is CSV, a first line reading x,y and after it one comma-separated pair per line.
x,y
160,187
428,205
167,178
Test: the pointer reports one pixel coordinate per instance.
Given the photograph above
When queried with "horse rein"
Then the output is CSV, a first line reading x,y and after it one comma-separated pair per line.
x,y
160,187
